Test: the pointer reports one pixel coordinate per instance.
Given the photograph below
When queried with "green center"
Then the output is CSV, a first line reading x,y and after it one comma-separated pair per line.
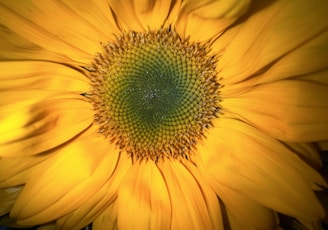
x,y
154,96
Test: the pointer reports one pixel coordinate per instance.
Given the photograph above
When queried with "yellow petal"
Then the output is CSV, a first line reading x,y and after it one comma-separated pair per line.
x,y
144,14
153,14
309,58
7,198
254,164
222,41
14,47
37,75
188,202
203,20
249,213
143,199
108,219
96,209
95,15
47,227
217,8
273,30
307,152
45,125
72,173
307,62
17,170
210,197
289,110
86,212
58,27
125,12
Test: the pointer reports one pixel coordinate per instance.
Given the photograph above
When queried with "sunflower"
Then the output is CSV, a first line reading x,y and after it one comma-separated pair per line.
x,y
181,114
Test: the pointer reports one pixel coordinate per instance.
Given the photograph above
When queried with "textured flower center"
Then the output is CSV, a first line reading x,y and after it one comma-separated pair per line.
x,y
154,94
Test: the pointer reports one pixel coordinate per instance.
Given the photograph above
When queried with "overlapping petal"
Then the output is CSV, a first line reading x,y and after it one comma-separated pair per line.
x,y
143,15
256,165
203,20
246,213
277,28
27,119
96,208
15,47
257,158
40,76
7,198
107,219
289,110
15,171
79,173
191,207
62,27
145,192
45,125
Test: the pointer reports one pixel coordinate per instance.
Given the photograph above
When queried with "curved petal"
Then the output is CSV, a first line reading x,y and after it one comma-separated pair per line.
x,y
308,59
79,174
143,199
16,171
107,219
38,75
216,8
25,110
34,129
15,47
305,63
68,28
210,197
248,213
307,152
188,201
289,110
220,43
96,209
7,198
203,20
144,14
277,29
254,164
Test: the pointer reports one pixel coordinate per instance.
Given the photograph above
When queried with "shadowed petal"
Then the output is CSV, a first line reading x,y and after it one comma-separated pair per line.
x,y
145,14
256,165
107,219
189,202
249,213
266,36
7,198
203,20
33,129
79,170
144,191
59,27
289,110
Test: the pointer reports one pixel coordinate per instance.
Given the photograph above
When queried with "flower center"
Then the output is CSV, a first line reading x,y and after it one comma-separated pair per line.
x,y
154,94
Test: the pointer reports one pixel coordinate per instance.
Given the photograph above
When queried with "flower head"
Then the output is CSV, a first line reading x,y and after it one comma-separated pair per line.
x,y
162,114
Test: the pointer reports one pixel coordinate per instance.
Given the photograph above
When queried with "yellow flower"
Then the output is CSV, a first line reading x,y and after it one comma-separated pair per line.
x,y
181,114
